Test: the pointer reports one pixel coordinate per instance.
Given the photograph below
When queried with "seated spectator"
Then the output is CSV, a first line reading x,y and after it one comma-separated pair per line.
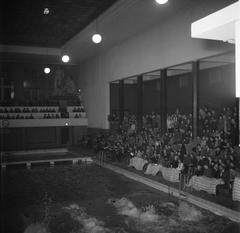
x,y
225,176
199,170
175,161
207,171
211,154
215,171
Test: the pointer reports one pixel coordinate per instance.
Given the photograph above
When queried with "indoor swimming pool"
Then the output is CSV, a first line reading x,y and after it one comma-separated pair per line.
x,y
89,198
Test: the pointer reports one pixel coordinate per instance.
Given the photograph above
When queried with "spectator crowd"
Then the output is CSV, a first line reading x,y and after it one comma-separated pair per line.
x,y
214,153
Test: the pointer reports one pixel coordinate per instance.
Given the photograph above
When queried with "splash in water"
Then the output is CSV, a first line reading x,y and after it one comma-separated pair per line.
x,y
188,213
127,208
36,228
41,226
152,218
90,224
140,219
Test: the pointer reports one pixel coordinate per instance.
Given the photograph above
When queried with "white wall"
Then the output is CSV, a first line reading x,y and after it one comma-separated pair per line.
x,y
166,43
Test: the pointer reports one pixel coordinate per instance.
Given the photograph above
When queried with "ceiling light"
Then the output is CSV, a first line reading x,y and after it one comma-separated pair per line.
x,y
161,1
47,70
46,11
96,38
65,58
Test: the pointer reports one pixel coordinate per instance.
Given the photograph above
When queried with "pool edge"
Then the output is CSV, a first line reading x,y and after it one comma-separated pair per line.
x,y
202,203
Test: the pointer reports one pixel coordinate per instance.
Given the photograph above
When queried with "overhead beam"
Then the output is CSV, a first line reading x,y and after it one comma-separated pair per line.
x,y
219,25
222,25
29,50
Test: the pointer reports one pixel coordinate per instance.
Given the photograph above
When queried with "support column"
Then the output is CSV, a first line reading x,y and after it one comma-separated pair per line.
x,y
237,73
237,139
237,57
163,100
139,102
195,99
121,101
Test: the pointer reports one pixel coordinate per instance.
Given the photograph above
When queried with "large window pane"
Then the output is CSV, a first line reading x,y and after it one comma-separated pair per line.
x,y
130,104
114,105
218,112
151,100
179,100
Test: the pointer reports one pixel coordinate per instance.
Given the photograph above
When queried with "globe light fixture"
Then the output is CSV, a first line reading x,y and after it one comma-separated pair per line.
x,y
47,70
65,58
161,1
96,38
46,11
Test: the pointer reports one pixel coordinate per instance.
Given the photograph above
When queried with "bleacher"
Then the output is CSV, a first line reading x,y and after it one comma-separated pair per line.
x,y
29,112
35,127
36,116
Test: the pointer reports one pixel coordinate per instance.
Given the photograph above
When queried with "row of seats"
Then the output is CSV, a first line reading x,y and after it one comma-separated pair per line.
x,y
35,112
75,109
30,116
28,109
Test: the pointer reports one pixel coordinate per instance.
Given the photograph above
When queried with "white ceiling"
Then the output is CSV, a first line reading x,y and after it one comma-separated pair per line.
x,y
123,20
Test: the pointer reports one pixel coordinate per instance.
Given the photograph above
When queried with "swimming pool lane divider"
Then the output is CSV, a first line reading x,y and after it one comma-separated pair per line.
x,y
202,203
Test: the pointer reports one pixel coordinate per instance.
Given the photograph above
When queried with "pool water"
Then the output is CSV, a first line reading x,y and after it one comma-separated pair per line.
x,y
92,199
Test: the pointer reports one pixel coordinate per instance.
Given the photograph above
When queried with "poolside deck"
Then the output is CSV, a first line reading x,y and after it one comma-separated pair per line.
x,y
202,203
42,156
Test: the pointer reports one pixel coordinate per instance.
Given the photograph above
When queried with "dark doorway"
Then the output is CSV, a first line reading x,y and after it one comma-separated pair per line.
x,y
64,135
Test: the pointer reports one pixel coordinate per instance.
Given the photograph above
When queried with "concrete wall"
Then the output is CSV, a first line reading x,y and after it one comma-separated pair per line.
x,y
164,44
40,137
